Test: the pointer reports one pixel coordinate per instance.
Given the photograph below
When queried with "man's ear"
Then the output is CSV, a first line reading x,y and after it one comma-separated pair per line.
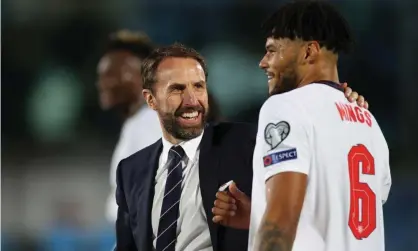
x,y
149,98
312,50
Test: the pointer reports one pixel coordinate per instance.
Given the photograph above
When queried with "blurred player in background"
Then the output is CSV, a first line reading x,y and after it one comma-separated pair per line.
x,y
120,89
321,164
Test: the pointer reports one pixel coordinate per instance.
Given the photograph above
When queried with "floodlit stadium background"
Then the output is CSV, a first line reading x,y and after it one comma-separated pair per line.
x,y
57,144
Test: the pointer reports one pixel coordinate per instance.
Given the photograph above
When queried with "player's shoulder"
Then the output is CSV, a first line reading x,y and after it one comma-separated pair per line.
x,y
289,103
146,111
144,121
378,132
146,116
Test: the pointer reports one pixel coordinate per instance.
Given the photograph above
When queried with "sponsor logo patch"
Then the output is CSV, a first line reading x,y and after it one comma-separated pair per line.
x,y
278,157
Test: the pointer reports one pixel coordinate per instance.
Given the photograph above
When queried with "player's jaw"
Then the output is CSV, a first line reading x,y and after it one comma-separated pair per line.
x,y
281,81
274,80
270,77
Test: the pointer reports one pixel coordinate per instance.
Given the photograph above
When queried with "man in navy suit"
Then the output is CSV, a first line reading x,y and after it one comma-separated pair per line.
x,y
165,192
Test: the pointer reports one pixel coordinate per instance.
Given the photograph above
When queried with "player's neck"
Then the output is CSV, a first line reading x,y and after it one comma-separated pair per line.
x,y
320,72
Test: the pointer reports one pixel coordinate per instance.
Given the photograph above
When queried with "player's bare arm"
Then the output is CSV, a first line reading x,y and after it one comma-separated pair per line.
x,y
285,196
285,167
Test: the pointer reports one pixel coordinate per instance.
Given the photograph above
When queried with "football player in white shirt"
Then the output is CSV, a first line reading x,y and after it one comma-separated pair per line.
x,y
120,89
321,164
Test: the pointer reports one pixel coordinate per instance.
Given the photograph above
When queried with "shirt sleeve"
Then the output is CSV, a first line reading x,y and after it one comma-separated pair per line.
x,y
387,179
147,130
387,183
283,135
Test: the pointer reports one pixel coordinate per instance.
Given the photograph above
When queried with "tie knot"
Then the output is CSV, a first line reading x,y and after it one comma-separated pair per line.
x,y
176,152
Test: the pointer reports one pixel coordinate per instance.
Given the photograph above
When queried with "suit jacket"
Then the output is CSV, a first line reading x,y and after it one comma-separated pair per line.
x,y
226,152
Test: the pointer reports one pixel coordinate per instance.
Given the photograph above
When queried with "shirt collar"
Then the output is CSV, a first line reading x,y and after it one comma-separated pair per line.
x,y
190,147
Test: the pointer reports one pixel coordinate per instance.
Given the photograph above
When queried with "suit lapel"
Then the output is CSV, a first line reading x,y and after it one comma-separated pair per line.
x,y
146,199
208,165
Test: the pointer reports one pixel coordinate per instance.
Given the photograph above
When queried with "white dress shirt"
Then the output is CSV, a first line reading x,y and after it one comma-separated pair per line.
x,y
192,228
139,131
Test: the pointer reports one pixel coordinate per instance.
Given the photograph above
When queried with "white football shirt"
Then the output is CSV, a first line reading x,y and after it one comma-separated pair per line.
x,y
314,130
138,132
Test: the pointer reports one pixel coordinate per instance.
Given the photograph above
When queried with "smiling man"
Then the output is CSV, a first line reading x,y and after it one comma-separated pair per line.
x,y
321,164
165,192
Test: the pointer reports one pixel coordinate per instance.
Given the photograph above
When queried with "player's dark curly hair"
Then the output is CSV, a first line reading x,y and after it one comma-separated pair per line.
x,y
177,50
137,43
311,20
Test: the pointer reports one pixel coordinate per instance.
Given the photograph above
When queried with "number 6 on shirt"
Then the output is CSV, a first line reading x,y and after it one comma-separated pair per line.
x,y
361,225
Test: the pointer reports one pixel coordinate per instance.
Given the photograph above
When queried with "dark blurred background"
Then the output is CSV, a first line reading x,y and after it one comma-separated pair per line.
x,y
56,144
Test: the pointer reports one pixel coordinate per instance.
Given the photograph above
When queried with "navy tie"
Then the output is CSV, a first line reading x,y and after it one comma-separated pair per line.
x,y
167,227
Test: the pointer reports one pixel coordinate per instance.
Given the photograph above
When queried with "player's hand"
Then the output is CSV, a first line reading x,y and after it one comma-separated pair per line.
x,y
232,208
354,96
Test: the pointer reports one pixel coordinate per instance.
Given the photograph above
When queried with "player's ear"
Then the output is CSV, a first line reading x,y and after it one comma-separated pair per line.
x,y
149,98
312,49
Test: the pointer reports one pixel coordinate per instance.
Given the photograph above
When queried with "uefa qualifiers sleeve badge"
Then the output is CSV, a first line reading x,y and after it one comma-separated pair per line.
x,y
274,134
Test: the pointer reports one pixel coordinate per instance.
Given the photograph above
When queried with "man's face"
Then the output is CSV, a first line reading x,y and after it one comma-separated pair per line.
x,y
280,65
119,80
180,97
